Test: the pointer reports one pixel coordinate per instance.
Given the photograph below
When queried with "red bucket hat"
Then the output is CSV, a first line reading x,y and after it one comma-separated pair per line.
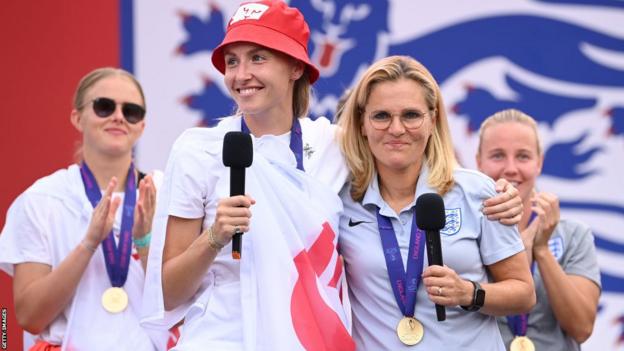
x,y
271,24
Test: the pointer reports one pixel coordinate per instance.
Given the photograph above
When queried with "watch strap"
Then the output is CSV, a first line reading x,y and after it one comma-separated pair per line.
x,y
478,298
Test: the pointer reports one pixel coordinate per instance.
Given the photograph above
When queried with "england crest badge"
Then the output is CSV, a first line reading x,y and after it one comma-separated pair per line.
x,y
453,221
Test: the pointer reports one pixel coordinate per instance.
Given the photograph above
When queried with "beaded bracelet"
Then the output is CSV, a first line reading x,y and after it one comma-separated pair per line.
x,y
142,242
212,242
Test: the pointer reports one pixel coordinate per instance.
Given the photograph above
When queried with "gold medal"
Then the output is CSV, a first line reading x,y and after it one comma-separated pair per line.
x,y
114,300
410,331
522,343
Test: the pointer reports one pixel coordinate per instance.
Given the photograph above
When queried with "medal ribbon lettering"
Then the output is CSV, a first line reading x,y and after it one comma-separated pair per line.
x,y
404,282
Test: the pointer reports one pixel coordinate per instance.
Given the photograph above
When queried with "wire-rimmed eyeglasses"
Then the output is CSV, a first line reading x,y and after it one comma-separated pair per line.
x,y
411,119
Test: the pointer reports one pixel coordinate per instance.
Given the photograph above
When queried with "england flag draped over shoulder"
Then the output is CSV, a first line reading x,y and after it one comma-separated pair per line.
x,y
290,273
294,267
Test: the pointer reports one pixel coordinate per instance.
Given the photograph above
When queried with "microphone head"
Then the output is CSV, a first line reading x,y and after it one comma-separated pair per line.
x,y
237,150
430,214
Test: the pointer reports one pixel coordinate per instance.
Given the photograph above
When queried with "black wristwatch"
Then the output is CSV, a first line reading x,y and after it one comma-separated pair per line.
x,y
478,298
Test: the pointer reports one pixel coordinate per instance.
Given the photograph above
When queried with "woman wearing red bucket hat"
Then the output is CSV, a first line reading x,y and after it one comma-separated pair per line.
x,y
284,293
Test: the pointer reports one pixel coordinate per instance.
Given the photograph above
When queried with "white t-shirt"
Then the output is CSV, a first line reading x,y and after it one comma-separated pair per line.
x,y
469,243
195,180
44,224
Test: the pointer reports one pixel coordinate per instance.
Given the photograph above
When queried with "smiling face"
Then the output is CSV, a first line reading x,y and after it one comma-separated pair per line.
x,y
510,150
397,149
112,135
261,80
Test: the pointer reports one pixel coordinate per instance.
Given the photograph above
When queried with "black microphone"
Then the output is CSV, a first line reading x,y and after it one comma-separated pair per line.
x,y
238,155
431,217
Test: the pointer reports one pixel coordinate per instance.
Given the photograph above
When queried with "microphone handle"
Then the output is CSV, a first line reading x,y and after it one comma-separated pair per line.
x,y
236,246
434,255
237,187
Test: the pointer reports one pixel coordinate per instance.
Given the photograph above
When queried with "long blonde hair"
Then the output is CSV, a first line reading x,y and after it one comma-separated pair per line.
x,y
439,154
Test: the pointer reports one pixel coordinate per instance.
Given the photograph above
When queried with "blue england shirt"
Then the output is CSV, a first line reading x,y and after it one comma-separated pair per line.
x,y
470,242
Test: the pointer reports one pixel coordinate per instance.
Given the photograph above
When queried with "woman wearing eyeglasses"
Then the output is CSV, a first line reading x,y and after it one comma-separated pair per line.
x,y
398,147
76,241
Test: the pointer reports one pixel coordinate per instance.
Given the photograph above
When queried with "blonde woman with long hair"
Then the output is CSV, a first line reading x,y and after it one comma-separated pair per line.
x,y
396,141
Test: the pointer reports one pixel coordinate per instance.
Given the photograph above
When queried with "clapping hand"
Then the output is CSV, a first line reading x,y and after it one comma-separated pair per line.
x,y
145,208
103,217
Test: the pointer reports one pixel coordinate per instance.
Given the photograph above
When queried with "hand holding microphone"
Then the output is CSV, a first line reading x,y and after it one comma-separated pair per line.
x,y
431,217
232,217
238,155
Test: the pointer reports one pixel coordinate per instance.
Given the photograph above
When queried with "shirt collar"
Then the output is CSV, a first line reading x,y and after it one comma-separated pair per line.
x,y
373,194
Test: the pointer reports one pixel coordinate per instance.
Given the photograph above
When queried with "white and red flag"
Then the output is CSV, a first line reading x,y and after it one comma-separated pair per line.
x,y
290,273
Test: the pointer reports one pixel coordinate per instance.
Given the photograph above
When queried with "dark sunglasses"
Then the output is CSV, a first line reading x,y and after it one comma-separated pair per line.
x,y
104,107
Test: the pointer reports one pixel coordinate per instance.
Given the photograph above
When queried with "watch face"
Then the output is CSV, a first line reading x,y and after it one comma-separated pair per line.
x,y
480,298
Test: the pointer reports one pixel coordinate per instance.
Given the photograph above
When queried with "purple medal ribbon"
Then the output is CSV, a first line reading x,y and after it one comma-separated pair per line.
x,y
519,323
116,257
296,140
404,283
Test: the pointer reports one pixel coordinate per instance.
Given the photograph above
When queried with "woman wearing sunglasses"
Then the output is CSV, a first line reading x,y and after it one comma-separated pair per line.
x,y
76,241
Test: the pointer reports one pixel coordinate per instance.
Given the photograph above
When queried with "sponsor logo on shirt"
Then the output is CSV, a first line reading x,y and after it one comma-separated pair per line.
x,y
353,223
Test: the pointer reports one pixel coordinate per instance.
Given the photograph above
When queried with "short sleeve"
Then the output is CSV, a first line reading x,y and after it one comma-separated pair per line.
x,y
191,178
580,255
498,241
25,236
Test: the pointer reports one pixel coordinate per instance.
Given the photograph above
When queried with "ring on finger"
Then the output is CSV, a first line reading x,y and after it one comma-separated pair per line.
x,y
237,230
439,291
